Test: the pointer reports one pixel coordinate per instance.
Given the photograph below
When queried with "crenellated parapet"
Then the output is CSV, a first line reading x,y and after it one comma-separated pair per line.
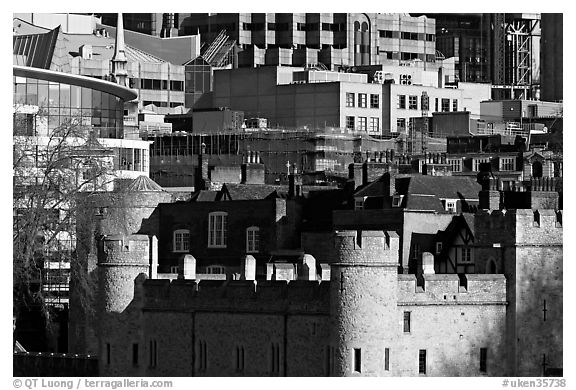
x,y
519,226
452,289
120,250
237,295
368,247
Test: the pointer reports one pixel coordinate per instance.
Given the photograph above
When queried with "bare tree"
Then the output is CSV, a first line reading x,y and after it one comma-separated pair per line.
x,y
50,172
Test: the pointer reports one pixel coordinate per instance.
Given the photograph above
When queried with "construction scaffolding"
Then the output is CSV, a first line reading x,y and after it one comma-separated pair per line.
x,y
174,157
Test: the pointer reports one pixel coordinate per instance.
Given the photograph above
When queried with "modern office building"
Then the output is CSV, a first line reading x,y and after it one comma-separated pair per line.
x,y
298,39
551,57
46,100
498,48
159,84
315,99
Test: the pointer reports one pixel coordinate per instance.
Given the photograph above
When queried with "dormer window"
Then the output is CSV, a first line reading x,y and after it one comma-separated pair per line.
x,y
438,247
397,200
450,205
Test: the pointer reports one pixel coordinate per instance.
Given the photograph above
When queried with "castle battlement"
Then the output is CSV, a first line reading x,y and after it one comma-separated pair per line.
x,y
117,250
519,226
367,247
237,295
442,289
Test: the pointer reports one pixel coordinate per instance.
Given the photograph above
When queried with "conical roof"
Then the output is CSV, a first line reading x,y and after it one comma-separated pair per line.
x,y
143,184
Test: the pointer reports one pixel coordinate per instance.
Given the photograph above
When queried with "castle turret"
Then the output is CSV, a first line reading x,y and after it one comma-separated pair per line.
x,y
121,261
363,299
129,210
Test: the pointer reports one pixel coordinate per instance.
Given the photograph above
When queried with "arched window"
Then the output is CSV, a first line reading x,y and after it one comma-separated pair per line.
x,y
536,169
217,229
253,239
491,267
181,239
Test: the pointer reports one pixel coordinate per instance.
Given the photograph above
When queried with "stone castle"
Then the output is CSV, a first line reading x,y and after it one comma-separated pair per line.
x,y
354,316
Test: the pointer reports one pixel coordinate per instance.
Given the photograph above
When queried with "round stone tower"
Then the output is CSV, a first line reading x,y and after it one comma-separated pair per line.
x,y
121,262
363,302
129,209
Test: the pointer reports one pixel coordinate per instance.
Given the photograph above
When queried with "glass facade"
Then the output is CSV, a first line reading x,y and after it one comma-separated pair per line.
x,y
60,103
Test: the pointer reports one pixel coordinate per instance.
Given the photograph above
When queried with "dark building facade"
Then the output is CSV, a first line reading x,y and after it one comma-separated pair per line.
x,y
551,57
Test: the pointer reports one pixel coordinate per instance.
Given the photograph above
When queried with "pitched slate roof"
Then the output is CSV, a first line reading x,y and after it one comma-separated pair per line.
x,y
425,192
444,187
250,191
204,196
423,202
373,189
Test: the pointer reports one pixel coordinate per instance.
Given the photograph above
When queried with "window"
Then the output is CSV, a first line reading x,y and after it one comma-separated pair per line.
x,y
507,163
406,322
456,164
135,354
386,359
436,105
253,239
239,359
173,269
374,101
397,200
483,359
374,125
438,247
445,105
451,205
217,229
358,203
153,357
413,102
362,100
275,358
350,122
465,255
202,355
402,101
478,161
349,99
357,360
385,33
215,269
416,251
412,125
401,125
181,240
362,120
430,37
330,360
108,353
422,361
454,105
410,35
536,218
